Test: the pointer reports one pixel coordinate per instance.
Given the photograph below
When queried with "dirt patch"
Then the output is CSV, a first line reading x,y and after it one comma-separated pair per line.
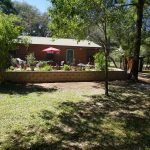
x,y
73,85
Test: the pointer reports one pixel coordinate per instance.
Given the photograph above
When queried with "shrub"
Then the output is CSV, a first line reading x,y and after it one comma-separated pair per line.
x,y
99,60
31,59
67,67
41,64
14,62
46,68
87,67
11,68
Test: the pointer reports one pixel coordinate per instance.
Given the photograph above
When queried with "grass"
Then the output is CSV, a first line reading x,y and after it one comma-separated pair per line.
x,y
33,117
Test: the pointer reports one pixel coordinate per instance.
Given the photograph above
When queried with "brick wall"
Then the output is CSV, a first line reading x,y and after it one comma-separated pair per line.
x,y
1,77
81,55
68,76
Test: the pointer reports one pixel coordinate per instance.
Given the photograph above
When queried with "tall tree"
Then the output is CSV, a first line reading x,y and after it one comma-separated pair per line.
x,y
78,18
34,22
135,34
6,6
137,43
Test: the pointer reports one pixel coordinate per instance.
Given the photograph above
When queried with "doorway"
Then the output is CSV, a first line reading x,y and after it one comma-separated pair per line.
x,y
69,56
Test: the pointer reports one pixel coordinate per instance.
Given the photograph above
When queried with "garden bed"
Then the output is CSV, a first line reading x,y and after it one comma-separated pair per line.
x,y
61,76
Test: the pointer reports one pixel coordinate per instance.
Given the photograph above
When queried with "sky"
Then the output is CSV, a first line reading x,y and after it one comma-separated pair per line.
x,y
42,5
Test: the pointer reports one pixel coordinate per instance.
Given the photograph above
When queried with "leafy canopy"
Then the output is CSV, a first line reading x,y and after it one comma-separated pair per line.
x,y
78,18
6,6
34,22
75,18
9,32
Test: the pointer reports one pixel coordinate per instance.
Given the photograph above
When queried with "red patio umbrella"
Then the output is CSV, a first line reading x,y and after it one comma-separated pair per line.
x,y
51,50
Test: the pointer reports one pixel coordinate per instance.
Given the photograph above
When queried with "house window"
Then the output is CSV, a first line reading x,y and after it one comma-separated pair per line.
x,y
69,56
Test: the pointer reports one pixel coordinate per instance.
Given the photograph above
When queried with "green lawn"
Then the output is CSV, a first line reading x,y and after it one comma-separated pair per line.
x,y
33,117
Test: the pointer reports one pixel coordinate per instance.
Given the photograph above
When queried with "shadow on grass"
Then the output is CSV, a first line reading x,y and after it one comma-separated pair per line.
x,y
118,122
23,89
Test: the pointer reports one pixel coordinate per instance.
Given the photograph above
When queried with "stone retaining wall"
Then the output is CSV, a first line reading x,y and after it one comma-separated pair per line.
x,y
67,76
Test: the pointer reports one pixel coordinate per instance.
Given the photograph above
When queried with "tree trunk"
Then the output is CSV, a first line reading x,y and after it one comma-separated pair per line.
x,y
106,59
106,44
113,61
106,73
137,43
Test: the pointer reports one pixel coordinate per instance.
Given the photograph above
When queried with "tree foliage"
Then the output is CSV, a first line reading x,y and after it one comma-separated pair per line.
x,y
76,18
123,25
6,6
145,50
79,18
9,32
34,22
98,20
99,59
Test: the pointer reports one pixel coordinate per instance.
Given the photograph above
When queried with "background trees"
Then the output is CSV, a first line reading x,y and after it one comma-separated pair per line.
x,y
141,7
6,6
33,22
104,22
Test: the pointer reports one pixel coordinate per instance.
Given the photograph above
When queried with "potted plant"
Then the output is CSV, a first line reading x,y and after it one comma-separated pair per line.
x,y
31,61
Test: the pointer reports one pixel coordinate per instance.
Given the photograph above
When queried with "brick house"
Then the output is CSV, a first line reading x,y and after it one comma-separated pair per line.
x,y
71,50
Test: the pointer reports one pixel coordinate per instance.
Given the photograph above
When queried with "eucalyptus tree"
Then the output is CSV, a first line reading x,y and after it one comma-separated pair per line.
x,y
79,19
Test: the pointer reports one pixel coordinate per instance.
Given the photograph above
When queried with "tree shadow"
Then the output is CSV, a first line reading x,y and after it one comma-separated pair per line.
x,y
118,122
46,115
23,89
